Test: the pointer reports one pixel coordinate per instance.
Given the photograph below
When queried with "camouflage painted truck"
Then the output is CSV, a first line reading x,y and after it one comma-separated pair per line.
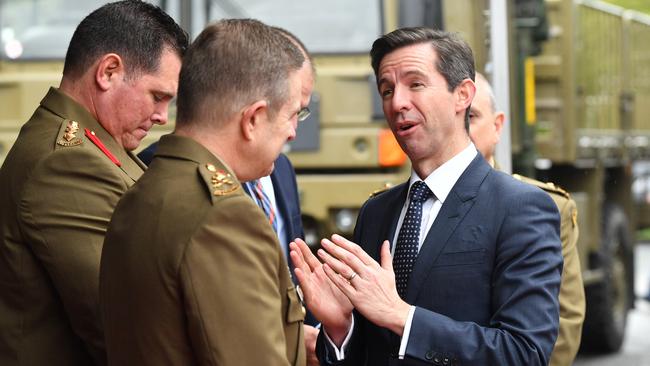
x,y
579,88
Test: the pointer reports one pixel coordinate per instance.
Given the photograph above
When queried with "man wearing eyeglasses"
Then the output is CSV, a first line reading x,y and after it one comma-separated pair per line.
x,y
277,193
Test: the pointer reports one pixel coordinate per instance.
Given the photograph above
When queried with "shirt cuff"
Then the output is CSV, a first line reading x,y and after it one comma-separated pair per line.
x,y
406,333
340,353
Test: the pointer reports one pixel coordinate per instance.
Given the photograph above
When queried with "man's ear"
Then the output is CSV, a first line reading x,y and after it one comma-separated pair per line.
x,y
465,92
499,120
110,68
252,117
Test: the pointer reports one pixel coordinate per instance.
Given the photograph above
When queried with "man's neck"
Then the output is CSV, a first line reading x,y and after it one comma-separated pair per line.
x,y
79,91
491,161
424,167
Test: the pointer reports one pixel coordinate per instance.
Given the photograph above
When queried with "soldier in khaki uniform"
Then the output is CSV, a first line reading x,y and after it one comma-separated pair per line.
x,y
192,272
65,174
485,127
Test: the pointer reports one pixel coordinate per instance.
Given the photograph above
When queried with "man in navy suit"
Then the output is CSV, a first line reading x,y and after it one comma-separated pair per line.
x,y
474,274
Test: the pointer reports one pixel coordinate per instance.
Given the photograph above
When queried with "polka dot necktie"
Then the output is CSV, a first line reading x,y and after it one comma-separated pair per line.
x,y
406,250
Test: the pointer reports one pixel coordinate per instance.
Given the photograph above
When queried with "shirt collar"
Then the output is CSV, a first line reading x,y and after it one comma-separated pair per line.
x,y
443,179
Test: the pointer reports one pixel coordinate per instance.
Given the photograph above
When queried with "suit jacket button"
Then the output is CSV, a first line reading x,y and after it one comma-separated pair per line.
x,y
429,355
437,360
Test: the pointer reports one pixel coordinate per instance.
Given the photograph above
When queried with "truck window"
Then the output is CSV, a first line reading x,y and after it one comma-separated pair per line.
x,y
41,29
333,26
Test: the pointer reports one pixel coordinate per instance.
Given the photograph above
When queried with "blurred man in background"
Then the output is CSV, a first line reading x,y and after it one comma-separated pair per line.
x,y
486,123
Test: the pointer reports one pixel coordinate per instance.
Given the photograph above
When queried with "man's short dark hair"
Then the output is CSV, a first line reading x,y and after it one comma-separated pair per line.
x,y
232,63
455,58
135,30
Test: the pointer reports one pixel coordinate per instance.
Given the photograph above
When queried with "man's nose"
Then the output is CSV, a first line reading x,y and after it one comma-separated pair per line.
x,y
160,117
292,135
400,100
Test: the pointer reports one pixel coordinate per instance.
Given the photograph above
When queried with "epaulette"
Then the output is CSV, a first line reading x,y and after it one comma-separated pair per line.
x,y
68,134
219,182
381,190
548,187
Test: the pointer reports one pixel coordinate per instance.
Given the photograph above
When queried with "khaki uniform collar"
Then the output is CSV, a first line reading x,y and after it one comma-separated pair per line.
x,y
67,108
182,147
219,179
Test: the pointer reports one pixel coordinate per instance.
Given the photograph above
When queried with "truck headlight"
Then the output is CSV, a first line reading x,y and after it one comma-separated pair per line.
x,y
344,219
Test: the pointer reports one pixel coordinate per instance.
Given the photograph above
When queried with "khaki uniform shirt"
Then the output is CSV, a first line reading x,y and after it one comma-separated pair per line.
x,y
572,295
58,190
192,272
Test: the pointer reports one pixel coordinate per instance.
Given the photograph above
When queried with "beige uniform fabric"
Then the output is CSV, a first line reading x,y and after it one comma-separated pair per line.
x,y
572,296
192,273
56,202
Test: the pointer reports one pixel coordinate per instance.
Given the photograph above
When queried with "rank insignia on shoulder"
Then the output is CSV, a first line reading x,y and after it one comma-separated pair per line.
x,y
222,182
381,190
574,218
69,137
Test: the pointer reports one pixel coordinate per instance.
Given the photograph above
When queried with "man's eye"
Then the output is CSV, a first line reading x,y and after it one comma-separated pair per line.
x,y
303,113
386,92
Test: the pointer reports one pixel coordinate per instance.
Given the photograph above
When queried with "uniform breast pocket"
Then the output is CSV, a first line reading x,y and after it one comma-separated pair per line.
x,y
295,310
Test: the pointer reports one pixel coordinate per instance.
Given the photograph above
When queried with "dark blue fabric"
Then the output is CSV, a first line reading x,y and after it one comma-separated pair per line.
x,y
485,283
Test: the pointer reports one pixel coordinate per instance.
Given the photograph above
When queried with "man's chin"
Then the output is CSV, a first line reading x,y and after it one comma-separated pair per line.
x,y
133,140
270,170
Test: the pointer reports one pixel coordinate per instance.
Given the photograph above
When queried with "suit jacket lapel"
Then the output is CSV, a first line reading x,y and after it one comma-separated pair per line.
x,y
386,219
459,201
395,206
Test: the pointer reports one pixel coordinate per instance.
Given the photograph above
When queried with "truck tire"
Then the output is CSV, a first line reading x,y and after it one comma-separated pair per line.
x,y
609,301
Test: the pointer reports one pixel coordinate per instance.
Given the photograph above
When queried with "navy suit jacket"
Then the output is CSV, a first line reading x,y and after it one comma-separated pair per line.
x,y
286,199
485,283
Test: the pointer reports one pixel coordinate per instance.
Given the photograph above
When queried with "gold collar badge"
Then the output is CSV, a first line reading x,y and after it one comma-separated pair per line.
x,y
70,138
221,181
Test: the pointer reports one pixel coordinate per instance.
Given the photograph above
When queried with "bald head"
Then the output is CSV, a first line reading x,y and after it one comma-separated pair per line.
x,y
486,120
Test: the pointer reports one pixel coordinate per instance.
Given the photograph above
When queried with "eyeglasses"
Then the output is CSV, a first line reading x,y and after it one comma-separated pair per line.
x,y
303,113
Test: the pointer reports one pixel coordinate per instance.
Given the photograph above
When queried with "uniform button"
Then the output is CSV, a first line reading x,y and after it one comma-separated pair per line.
x,y
429,355
436,360
445,361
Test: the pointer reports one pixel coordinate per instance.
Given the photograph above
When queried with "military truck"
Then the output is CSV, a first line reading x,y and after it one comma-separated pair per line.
x,y
576,76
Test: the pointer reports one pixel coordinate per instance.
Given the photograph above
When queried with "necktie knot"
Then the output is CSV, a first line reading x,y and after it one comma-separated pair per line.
x,y
420,192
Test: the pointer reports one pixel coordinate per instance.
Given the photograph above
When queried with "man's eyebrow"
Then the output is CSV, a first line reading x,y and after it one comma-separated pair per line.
x,y
415,73
166,93
381,82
